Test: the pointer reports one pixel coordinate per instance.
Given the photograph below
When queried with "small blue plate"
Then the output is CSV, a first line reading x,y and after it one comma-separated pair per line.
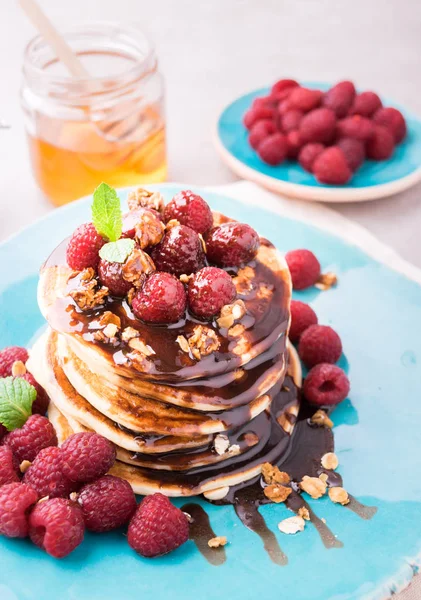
x,y
375,179
377,312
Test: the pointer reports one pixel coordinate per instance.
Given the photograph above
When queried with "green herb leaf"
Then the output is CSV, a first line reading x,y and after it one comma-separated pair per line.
x,y
117,251
106,212
16,399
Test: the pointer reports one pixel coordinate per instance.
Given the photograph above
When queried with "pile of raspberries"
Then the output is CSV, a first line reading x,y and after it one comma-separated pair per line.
x,y
330,133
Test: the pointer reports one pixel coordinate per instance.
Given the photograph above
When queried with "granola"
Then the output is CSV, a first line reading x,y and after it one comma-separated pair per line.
x,y
231,313
217,541
321,419
137,267
326,281
303,512
292,525
315,487
272,474
339,495
149,230
330,461
139,346
88,294
203,342
141,198
277,493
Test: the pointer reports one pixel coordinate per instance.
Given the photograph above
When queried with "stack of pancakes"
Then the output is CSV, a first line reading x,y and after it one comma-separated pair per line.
x,y
183,422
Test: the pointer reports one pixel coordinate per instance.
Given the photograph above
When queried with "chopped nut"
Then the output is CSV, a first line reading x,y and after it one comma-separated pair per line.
x,y
109,317
277,493
18,368
338,495
74,496
326,281
315,487
323,477
203,242
292,525
131,294
139,346
323,520
272,474
172,223
231,313
24,466
185,278
203,342
141,198
303,512
88,294
218,541
149,231
137,266
183,343
321,419
129,333
221,444
234,450
244,280
110,330
330,461
236,330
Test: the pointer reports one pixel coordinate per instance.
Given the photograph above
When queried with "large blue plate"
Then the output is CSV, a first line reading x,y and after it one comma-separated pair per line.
x,y
378,315
373,180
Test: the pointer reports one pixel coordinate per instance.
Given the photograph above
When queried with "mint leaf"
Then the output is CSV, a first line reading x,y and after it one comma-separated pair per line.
x,y
16,399
106,212
117,251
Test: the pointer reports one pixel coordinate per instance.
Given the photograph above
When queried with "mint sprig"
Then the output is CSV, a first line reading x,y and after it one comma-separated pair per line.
x,y
16,399
117,251
106,212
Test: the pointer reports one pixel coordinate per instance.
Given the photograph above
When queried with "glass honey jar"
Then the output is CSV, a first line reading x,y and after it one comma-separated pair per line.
x,y
106,126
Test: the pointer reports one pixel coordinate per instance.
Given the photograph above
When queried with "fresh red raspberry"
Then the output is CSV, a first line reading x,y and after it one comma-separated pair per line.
x,y
354,152
283,107
9,466
56,526
180,252
260,131
45,475
308,155
381,144
191,210
83,248
42,400
304,268
393,120
209,290
15,501
157,527
257,114
86,456
356,127
326,385
133,218
304,99
365,104
26,442
232,244
294,143
319,344
282,85
302,316
110,275
340,98
318,125
162,299
291,120
331,167
263,102
10,355
107,503
273,150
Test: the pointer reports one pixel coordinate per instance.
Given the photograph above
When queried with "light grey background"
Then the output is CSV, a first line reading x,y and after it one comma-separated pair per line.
x,y
212,51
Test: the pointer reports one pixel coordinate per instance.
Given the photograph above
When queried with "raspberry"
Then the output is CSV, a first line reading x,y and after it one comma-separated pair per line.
x,y
180,252
191,210
319,344
45,475
308,155
107,503
42,400
260,131
284,107
83,248
209,290
302,316
381,145
273,149
10,355
162,299
393,120
283,84
157,527
56,526
257,114
232,244
9,466
291,120
87,456
304,99
304,268
36,434
111,275
331,167
318,126
263,102
15,502
356,127
326,385
365,104
354,152
294,143
133,218
340,98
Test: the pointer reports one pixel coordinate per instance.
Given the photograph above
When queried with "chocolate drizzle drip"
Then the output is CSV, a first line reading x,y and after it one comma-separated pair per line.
x,y
363,511
201,532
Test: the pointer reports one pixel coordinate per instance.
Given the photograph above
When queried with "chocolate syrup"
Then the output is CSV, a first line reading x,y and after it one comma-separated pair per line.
x,y
200,531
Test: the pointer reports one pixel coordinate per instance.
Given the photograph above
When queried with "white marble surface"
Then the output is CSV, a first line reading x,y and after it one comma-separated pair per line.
x,y
213,51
